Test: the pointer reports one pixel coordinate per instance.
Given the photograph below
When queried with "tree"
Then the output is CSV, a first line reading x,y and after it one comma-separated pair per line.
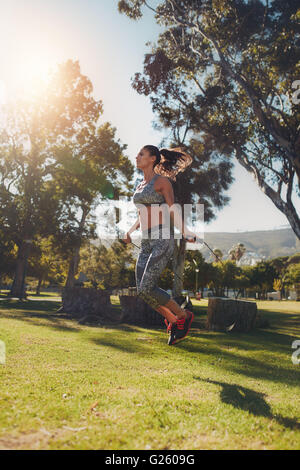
x,y
45,264
280,263
262,276
237,251
240,283
93,170
8,253
211,172
107,268
294,259
223,277
55,159
278,286
33,129
218,254
205,270
292,278
231,64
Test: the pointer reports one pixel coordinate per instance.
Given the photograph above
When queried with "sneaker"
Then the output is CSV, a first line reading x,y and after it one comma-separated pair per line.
x,y
175,327
180,329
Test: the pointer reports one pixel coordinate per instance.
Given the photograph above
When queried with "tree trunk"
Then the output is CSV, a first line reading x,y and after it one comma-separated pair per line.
x,y
18,286
286,207
137,312
38,287
73,268
230,315
89,305
297,289
74,262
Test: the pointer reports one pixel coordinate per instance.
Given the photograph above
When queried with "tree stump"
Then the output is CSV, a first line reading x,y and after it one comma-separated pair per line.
x,y
230,315
138,312
88,305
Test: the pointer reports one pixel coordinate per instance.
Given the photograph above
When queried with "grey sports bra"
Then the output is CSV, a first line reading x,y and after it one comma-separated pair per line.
x,y
148,195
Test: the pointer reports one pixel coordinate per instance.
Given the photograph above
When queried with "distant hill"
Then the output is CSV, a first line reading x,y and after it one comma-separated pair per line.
x,y
264,243
267,243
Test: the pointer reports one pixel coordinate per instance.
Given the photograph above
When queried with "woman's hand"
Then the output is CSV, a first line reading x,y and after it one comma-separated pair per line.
x,y
127,238
189,236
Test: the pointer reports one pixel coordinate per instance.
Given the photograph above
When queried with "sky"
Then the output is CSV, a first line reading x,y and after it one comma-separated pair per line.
x,y
110,47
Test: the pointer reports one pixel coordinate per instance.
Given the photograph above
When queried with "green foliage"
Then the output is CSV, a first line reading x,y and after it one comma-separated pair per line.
x,y
45,263
277,285
56,161
292,275
294,259
237,251
8,254
225,274
107,268
205,274
262,276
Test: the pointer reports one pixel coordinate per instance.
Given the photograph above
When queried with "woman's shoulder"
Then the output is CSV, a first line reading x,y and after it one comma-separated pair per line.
x,y
163,179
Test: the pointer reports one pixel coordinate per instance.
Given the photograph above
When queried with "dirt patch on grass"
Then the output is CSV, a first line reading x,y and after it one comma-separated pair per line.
x,y
31,339
33,440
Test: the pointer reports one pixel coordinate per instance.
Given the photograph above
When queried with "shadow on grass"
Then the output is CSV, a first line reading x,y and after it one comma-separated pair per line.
x,y
124,345
31,305
289,322
200,309
136,344
266,345
32,312
248,400
268,340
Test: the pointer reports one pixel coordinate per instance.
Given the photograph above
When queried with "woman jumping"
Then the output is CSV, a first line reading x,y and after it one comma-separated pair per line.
x,y
155,251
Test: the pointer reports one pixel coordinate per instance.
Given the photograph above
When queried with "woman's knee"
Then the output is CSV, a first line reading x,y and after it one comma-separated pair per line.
x,y
143,290
148,298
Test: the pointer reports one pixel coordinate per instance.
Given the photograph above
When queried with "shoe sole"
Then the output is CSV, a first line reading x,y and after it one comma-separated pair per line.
x,y
189,327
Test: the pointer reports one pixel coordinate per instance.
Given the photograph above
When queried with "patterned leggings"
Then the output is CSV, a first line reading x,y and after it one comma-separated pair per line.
x,y
153,258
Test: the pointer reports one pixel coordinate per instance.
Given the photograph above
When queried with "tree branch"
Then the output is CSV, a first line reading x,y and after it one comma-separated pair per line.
x,y
252,95
287,208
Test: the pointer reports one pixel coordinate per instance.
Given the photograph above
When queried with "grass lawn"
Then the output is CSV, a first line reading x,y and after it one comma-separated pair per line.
x,y
69,386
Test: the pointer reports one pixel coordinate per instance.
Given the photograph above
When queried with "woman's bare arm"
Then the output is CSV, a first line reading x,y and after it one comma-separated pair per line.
x,y
134,227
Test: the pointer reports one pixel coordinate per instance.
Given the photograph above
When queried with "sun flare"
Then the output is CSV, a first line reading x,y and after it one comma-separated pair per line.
x,y
33,72
2,92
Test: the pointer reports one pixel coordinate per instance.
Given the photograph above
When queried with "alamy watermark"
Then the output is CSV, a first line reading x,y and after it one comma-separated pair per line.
x,y
296,353
115,217
2,352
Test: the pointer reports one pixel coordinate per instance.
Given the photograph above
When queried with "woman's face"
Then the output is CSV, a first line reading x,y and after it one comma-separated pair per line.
x,y
144,159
